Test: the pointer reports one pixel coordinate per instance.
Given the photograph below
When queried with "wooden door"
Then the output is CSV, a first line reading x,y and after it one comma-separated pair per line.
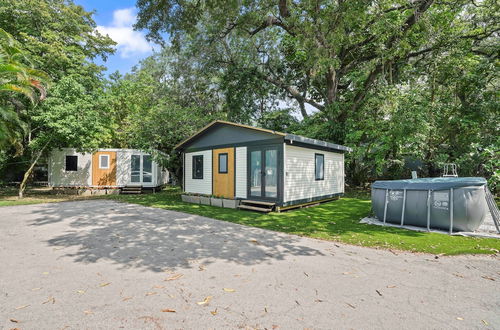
x,y
104,168
223,172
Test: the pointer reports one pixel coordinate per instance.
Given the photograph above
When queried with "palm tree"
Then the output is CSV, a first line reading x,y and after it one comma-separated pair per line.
x,y
17,78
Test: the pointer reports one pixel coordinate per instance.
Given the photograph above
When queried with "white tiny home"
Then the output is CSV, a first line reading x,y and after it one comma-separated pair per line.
x,y
252,164
104,168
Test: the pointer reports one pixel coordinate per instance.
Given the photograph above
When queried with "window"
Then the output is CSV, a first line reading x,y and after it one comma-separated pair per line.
x,y
104,161
319,166
71,163
198,167
223,163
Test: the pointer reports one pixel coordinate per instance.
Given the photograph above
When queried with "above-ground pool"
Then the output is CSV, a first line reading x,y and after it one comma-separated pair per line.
x,y
454,204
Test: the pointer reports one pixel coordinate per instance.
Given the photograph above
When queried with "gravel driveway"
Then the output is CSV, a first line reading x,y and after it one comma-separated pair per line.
x,y
105,265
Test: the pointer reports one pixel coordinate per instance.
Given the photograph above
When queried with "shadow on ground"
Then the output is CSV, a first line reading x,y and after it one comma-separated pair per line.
x,y
155,239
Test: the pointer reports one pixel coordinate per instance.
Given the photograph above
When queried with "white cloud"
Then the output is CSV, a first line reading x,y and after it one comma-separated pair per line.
x,y
130,43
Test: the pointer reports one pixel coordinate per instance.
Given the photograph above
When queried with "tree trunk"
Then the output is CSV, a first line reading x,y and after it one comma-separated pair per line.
x,y
28,173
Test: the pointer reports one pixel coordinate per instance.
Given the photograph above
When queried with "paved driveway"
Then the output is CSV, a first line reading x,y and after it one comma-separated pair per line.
x,y
108,265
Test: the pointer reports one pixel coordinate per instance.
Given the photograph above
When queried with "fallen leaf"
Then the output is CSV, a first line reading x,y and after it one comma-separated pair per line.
x,y
297,302
80,291
274,326
14,321
346,273
458,275
168,310
318,300
306,274
460,318
214,312
352,306
391,286
175,277
104,284
485,323
265,309
229,290
88,312
158,286
51,299
254,241
201,268
151,293
488,278
21,307
36,289
171,296
126,298
380,294
205,301
45,273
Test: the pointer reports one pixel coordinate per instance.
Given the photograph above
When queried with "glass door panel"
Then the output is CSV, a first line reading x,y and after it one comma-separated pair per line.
x,y
271,173
147,169
256,173
135,168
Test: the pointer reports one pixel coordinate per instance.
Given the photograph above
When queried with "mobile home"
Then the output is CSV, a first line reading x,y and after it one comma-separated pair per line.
x,y
260,166
104,168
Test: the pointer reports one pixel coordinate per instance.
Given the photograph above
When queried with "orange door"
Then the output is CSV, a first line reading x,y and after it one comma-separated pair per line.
x,y
223,172
104,168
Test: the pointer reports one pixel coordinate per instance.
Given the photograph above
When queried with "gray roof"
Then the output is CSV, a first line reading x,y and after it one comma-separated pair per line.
x,y
313,142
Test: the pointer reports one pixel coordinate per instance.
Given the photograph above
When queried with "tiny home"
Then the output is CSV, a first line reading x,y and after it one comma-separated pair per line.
x,y
261,166
104,168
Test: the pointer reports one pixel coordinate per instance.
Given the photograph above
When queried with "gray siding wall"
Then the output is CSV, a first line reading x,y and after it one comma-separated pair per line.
x,y
300,180
241,172
59,177
199,186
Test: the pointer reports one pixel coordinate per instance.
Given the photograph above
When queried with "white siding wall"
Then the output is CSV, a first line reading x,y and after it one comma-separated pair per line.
x,y
241,172
199,186
300,181
83,177
59,177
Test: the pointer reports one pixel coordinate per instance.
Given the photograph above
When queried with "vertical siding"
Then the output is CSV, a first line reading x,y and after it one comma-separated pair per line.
x,y
300,181
241,172
58,175
199,186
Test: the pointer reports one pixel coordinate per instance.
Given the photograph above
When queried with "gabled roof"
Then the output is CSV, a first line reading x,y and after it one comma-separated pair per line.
x,y
287,137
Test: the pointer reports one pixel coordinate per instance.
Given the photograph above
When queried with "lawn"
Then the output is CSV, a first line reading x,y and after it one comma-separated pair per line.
x,y
336,221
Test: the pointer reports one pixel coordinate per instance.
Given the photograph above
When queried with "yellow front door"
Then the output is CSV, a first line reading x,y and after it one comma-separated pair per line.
x,y
223,172
104,168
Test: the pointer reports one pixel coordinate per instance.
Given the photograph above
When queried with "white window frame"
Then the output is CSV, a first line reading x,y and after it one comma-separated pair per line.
x,y
100,162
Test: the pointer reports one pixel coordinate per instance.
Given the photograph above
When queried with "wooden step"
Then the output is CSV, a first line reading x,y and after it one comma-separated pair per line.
x,y
254,208
127,192
257,202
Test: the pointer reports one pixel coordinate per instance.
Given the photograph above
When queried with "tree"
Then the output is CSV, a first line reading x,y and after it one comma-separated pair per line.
x,y
62,41
17,79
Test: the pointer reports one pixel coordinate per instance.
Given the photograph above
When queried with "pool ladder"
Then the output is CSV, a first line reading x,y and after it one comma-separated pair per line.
x,y
492,205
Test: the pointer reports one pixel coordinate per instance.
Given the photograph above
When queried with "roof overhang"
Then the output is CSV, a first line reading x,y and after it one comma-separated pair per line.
x,y
292,138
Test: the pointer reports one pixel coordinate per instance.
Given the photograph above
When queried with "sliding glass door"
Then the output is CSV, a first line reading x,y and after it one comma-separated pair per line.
x,y
141,169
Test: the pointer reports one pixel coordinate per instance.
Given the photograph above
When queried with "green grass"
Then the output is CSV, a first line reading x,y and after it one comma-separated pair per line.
x,y
335,221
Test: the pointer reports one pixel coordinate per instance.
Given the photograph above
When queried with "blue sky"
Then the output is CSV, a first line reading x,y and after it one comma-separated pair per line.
x,y
116,18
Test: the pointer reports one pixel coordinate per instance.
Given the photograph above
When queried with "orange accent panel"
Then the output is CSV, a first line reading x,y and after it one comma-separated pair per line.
x,y
102,176
223,183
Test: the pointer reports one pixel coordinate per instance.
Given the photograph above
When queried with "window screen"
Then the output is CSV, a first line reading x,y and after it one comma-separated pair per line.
x,y
71,163
319,166
198,167
103,161
223,163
